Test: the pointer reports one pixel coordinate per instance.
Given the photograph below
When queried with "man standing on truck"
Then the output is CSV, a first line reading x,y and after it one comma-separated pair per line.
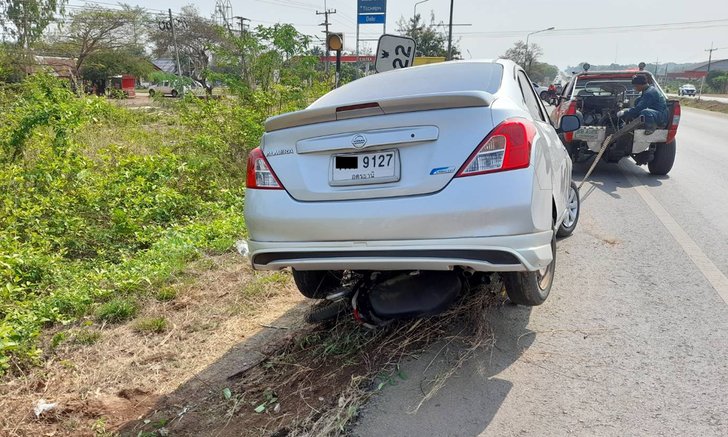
x,y
651,105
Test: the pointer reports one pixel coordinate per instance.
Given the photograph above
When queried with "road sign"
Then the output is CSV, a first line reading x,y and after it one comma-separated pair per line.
x,y
372,7
372,11
372,18
394,52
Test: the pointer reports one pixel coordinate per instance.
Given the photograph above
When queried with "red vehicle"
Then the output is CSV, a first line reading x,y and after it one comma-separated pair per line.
x,y
597,96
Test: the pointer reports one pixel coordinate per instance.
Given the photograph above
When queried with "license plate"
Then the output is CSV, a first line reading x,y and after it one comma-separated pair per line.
x,y
365,168
587,134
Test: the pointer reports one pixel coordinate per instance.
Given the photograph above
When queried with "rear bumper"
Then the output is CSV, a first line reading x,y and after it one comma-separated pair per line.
x,y
527,252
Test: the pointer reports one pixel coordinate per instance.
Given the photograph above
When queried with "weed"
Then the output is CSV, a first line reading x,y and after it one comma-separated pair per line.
x,y
58,338
152,325
116,310
166,294
86,337
264,282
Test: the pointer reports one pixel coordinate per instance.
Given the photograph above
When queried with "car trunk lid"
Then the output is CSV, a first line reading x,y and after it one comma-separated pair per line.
x,y
416,143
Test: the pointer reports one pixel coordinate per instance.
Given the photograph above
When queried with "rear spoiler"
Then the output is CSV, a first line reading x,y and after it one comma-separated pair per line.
x,y
396,105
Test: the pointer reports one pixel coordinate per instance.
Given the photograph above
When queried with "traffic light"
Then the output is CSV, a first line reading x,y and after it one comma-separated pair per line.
x,y
335,41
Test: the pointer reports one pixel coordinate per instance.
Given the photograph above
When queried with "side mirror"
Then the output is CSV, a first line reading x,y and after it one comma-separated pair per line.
x,y
568,123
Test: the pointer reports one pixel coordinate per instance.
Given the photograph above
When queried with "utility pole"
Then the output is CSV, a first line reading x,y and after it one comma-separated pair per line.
x,y
241,24
174,40
710,59
449,33
326,24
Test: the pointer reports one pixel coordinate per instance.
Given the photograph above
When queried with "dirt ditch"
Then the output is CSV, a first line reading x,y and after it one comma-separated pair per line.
x,y
235,359
313,380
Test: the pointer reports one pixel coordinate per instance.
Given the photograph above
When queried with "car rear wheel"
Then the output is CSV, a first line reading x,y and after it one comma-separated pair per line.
x,y
174,93
664,158
573,208
151,93
316,284
531,288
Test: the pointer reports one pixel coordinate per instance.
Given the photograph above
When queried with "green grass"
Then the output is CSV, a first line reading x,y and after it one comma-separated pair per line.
x,y
87,337
117,310
151,325
166,294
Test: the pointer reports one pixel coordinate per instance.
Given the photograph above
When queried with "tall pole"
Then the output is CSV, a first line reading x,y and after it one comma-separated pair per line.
x,y
710,58
241,23
326,23
449,33
174,40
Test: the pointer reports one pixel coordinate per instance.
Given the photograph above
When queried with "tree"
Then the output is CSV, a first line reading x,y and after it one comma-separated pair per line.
x,y
197,38
431,41
27,19
527,58
522,55
543,73
264,57
105,63
95,29
716,80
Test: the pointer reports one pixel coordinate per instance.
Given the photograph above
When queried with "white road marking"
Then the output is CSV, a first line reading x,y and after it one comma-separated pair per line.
x,y
715,277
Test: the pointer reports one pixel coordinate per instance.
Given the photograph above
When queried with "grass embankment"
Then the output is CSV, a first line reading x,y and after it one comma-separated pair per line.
x,y
708,105
100,206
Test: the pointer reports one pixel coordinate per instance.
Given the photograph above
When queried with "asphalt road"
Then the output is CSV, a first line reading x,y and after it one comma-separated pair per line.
x,y
634,337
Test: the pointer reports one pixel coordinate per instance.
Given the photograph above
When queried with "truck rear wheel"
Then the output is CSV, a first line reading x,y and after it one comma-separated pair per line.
x,y
664,158
531,288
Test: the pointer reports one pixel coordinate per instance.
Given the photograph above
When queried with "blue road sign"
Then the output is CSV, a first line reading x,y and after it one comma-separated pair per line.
x,y
372,7
371,18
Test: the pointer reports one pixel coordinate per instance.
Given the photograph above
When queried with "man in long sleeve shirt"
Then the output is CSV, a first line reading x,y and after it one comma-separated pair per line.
x,y
651,105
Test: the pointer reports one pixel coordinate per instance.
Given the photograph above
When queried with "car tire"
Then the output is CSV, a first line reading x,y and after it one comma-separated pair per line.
x,y
151,93
316,284
531,288
544,95
573,207
174,93
663,160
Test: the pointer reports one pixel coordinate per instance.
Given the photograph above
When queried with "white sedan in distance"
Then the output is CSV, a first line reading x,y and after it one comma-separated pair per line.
x,y
392,190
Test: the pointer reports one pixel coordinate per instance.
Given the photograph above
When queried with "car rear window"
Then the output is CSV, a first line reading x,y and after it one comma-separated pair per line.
x,y
430,79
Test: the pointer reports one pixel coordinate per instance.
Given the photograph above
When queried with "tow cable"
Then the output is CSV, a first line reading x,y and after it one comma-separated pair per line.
x,y
627,128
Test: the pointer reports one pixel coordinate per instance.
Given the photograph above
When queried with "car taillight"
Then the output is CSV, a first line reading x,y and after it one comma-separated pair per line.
x,y
672,127
259,173
507,147
570,110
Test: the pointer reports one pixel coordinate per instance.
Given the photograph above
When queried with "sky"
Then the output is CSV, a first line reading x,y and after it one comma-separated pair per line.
x,y
494,25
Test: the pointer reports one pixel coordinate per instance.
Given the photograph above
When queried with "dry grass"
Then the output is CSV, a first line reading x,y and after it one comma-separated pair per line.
x,y
103,375
708,105
316,380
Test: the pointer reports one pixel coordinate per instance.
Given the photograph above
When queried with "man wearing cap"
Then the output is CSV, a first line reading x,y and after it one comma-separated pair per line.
x,y
651,105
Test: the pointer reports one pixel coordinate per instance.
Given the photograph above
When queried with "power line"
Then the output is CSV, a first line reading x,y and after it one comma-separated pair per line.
x,y
608,29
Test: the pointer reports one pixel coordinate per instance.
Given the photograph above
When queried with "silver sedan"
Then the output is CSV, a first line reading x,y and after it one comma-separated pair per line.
x,y
445,167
